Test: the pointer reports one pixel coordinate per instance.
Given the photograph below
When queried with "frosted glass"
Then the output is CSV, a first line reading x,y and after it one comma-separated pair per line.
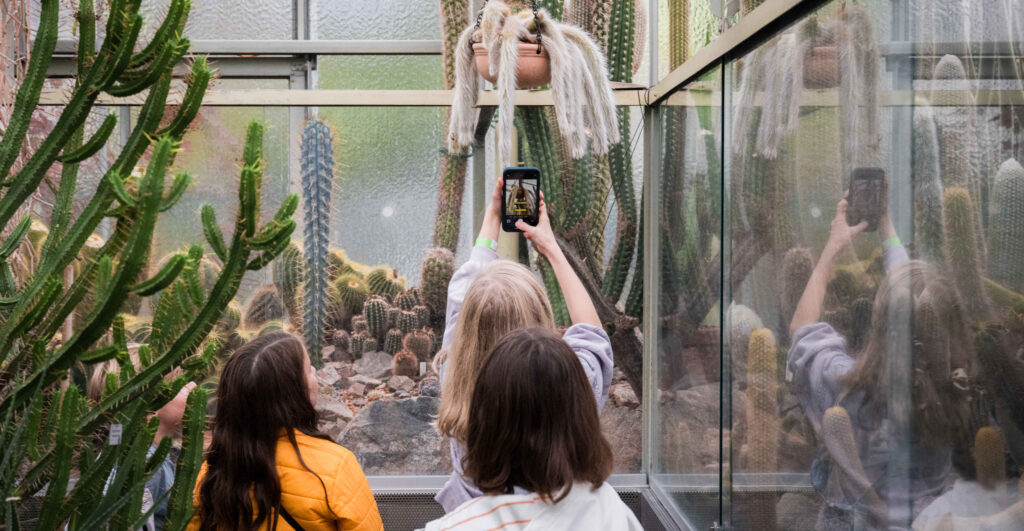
x,y
375,19
387,72
226,19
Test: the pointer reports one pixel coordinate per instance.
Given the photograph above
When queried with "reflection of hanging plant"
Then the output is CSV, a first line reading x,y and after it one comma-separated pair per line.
x,y
583,99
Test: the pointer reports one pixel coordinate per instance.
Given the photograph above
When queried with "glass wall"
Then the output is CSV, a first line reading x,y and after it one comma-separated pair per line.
x,y
871,293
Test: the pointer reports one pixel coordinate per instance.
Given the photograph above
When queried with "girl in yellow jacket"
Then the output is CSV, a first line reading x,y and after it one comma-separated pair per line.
x,y
268,467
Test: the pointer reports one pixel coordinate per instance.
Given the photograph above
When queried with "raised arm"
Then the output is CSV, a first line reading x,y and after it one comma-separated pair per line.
x,y
808,310
581,308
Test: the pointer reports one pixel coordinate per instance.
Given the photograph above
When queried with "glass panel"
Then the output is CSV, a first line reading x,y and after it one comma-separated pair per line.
x,y
388,72
686,27
686,418
220,20
873,380
375,20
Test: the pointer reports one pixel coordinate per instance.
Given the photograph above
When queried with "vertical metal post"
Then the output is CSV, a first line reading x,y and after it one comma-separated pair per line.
x,y
652,176
725,321
479,159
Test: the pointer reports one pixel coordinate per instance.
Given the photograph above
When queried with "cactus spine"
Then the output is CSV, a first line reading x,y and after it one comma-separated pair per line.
x,y
393,341
375,311
961,250
1006,227
289,276
50,424
437,269
317,181
990,458
264,305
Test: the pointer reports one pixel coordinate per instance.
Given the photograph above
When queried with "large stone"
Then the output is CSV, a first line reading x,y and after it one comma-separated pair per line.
x,y
430,387
365,380
401,383
375,365
622,426
332,409
328,376
397,437
356,388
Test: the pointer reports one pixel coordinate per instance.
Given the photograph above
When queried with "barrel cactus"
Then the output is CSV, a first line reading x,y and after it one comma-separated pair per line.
x,y
381,281
405,363
436,271
408,321
393,341
420,343
289,272
317,182
359,325
1006,227
375,312
352,291
357,344
264,305
338,315
342,342
422,315
408,299
392,316
371,344
990,458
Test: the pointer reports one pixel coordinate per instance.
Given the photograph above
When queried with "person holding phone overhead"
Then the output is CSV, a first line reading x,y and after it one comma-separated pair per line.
x,y
824,374
487,298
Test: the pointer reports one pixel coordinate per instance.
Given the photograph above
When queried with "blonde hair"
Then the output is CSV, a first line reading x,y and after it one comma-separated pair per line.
x,y
505,296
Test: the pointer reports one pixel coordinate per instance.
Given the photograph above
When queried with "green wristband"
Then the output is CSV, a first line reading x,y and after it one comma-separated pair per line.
x,y
487,242
892,242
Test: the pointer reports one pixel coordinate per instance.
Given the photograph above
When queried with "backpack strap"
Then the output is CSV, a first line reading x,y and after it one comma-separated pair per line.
x,y
290,519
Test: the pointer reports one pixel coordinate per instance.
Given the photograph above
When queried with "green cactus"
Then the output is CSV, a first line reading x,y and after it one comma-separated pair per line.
x,y
437,269
359,325
264,305
927,185
961,251
342,342
408,321
393,341
338,315
405,363
392,316
49,425
422,315
1006,227
420,343
375,310
317,182
381,282
352,291
860,322
797,265
990,458
408,299
357,344
289,271
844,286
371,345
454,19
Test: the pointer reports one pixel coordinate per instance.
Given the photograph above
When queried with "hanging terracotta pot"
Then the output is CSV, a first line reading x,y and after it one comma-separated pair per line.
x,y
532,70
821,67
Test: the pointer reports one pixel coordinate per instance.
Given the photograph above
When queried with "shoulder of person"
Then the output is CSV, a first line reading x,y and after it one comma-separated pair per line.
x,y
322,455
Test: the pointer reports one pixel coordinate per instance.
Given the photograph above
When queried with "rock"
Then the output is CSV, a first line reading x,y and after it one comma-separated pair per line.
x,y
327,376
332,409
342,383
374,364
623,395
380,393
356,388
342,346
798,512
327,353
366,380
402,394
622,426
334,430
430,387
689,428
401,383
397,437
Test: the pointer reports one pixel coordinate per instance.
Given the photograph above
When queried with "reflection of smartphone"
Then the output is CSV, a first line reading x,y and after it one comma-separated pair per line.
x,y
867,192
520,198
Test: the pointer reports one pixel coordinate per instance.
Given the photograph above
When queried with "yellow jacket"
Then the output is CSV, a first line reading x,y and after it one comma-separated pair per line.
x,y
348,492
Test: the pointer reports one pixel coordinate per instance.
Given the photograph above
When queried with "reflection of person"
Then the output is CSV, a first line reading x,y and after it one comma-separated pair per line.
x,y
912,295
533,426
521,200
267,463
488,298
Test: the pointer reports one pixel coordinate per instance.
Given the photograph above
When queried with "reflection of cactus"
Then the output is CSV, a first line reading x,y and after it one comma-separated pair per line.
x,y
264,305
375,311
437,269
847,474
352,291
418,342
1006,227
860,321
961,250
393,341
990,458
405,363
839,318
317,181
796,270
844,286
289,274
927,185
762,446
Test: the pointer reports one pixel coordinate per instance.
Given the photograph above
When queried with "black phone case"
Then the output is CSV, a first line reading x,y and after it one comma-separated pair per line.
x,y
857,211
508,223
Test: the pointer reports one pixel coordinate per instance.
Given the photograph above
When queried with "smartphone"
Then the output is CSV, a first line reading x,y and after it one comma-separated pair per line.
x,y
520,198
867,193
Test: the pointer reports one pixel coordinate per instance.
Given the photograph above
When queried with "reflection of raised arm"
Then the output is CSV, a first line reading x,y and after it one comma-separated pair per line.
x,y
808,310
577,300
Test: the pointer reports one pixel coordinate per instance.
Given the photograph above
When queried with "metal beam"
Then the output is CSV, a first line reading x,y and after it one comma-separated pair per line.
x,y
296,47
262,67
751,29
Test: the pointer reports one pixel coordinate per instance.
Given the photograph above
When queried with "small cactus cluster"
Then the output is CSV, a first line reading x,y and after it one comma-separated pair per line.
x,y
381,326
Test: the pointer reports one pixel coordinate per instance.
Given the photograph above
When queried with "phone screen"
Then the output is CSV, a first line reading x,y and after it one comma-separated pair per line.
x,y
520,197
867,193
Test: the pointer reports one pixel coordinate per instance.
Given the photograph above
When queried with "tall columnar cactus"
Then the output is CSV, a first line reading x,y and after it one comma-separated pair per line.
x,y
264,305
847,474
289,275
375,311
393,341
437,269
990,458
961,251
317,182
454,18
927,185
762,448
797,265
1006,227
49,424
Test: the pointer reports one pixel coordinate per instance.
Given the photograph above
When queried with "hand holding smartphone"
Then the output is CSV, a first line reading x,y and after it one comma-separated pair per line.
x,y
867,197
520,197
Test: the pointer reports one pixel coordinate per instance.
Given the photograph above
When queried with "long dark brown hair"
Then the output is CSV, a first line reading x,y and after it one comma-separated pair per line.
x,y
261,396
533,420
